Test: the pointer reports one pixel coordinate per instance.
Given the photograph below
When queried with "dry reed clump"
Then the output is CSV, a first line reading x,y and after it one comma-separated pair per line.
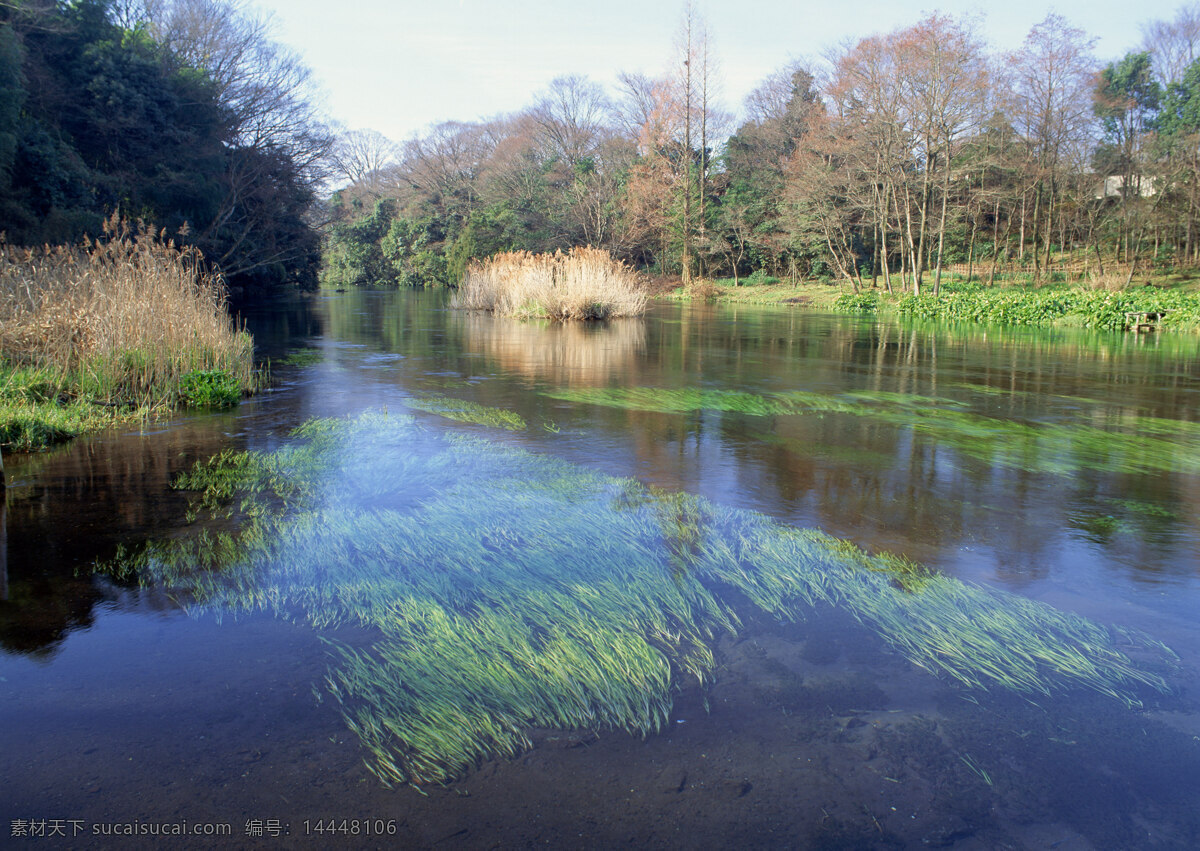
x,y
119,321
704,289
1113,281
584,283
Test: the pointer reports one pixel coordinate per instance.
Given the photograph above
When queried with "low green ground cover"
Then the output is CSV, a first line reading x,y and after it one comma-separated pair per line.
x,y
33,415
811,294
1050,305
40,407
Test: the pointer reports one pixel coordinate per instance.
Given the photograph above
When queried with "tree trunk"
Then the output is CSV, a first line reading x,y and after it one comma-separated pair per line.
x,y
1021,239
971,251
937,278
1037,234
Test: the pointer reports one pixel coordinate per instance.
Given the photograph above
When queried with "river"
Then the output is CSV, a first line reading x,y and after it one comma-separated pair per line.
x,y
721,576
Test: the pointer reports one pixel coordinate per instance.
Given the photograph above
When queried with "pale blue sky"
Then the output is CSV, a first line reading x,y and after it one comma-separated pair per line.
x,y
398,66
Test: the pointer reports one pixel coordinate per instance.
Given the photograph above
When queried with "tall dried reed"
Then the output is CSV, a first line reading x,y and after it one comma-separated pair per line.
x,y
119,321
584,283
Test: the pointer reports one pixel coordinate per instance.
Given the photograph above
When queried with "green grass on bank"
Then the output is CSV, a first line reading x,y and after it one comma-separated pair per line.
x,y
814,295
33,415
39,408
1058,304
1015,302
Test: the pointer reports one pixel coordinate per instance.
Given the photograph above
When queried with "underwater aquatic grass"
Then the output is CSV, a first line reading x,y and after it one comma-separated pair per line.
x,y
303,357
503,590
464,411
1138,444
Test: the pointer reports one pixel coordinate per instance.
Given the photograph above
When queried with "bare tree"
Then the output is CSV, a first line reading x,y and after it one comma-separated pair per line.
x,y
1175,44
594,196
944,88
362,157
637,102
573,117
825,196
1051,107
445,165
267,90
904,105
514,172
688,39
768,101
657,175
864,93
278,144
713,121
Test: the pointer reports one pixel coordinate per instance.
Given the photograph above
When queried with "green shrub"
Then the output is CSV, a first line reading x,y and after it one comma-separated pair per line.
x,y
1084,308
861,302
759,276
209,389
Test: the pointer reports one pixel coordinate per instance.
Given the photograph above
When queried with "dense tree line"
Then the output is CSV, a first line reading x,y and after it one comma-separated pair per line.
x,y
181,113
896,157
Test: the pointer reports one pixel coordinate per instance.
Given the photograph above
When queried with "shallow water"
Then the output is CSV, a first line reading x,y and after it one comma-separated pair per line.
x,y
1049,477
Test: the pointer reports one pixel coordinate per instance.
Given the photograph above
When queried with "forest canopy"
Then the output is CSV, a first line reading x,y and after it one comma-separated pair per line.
x,y
891,159
181,113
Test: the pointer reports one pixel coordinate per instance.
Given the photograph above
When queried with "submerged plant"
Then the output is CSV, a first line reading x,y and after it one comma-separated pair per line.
x,y
466,411
1151,444
303,357
503,590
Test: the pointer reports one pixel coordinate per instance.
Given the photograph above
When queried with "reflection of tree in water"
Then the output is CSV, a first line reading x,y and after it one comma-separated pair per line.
x,y
565,353
682,518
921,473
40,612
277,327
69,508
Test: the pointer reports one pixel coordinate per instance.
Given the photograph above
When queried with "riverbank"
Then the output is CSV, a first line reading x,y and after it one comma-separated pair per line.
x,y
1170,303
1148,306
121,331
815,295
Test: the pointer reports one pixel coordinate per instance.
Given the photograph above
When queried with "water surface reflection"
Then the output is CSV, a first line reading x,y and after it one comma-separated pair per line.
x,y
1013,456
1051,470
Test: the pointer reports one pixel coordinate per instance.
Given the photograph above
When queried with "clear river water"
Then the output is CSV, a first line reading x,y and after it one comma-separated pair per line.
x,y
717,577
